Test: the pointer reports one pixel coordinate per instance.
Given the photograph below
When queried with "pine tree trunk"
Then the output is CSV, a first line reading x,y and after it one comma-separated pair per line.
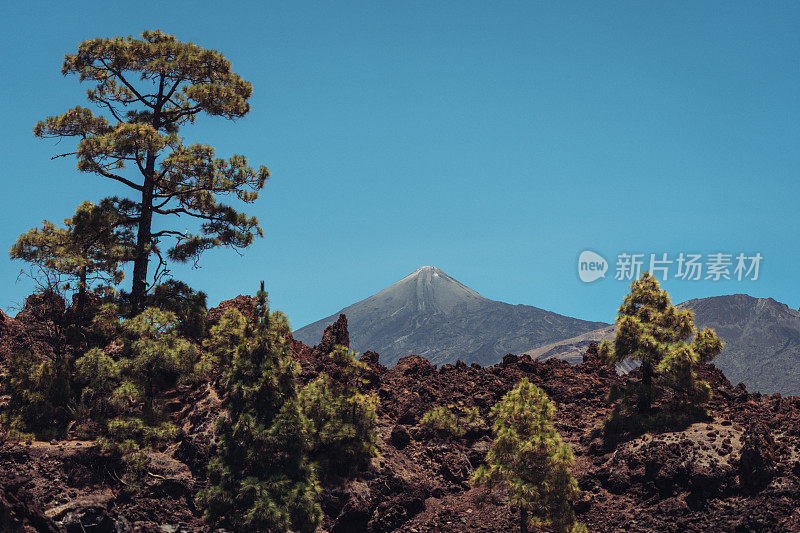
x,y
143,239
646,397
144,235
82,291
147,412
140,262
523,520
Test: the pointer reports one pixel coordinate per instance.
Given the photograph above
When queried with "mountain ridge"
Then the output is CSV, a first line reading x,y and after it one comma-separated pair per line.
x,y
762,340
431,314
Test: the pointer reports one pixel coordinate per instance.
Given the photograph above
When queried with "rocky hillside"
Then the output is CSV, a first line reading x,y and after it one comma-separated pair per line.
x,y
762,341
572,349
738,470
431,314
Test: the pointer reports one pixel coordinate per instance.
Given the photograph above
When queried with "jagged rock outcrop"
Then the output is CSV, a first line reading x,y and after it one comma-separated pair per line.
x,y
242,303
334,335
759,456
37,328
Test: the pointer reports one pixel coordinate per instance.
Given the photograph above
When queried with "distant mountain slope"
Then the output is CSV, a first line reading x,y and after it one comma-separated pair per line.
x,y
572,349
428,313
762,341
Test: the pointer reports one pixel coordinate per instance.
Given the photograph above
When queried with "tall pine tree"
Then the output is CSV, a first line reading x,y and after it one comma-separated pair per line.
x,y
261,480
150,88
653,332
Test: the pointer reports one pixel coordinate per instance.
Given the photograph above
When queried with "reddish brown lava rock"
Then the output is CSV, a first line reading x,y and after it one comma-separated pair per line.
x,y
371,358
244,304
412,366
334,335
759,456
687,479
592,355
45,307
713,375
20,516
37,328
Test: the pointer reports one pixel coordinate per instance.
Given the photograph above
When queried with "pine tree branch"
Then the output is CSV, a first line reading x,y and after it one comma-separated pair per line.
x,y
169,232
182,211
100,170
130,87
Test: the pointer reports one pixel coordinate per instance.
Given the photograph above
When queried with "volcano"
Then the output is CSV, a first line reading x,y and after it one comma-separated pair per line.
x,y
431,314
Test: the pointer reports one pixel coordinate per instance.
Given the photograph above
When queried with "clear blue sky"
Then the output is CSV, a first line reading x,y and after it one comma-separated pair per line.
x,y
493,140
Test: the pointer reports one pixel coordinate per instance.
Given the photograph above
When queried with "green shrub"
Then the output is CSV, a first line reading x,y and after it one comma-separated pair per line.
x,y
95,370
41,397
178,298
342,433
261,479
671,417
94,378
470,419
106,325
224,341
445,420
442,418
529,460
154,358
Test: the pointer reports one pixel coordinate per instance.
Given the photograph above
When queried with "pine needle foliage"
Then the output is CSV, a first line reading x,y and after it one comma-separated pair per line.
x,y
530,462
653,332
441,418
224,341
261,480
91,248
154,358
175,296
342,434
149,89
445,420
40,396
95,376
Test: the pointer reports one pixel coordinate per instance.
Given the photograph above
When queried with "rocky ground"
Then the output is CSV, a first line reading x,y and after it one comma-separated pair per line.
x,y
739,470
